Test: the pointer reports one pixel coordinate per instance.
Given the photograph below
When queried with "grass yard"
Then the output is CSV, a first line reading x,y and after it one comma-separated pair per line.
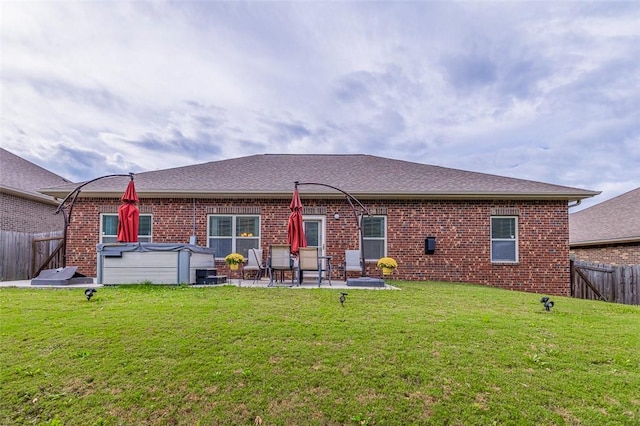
x,y
429,354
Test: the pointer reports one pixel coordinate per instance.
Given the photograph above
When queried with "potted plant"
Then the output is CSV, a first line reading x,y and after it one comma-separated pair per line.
x,y
234,260
388,264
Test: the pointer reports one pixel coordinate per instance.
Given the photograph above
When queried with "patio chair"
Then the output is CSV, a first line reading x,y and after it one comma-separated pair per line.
x,y
279,261
254,264
308,260
352,262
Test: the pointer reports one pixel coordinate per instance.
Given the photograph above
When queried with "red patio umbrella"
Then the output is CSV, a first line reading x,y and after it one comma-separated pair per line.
x,y
295,231
128,216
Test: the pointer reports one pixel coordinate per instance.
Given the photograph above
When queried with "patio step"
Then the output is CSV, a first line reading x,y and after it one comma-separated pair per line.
x,y
365,282
209,276
217,279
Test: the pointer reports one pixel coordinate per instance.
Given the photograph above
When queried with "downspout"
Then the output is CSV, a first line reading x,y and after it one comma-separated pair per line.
x,y
192,239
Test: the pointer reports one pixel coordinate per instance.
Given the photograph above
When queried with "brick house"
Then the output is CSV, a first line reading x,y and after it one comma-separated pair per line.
x,y
22,207
26,216
608,232
488,229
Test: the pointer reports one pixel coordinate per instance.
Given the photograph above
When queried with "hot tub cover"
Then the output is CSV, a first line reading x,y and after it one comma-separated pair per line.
x,y
116,249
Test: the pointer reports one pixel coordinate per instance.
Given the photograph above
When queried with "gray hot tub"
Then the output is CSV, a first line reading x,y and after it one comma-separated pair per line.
x,y
158,263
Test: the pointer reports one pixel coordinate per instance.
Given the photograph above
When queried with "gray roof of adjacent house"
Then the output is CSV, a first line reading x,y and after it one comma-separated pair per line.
x,y
364,176
613,221
22,178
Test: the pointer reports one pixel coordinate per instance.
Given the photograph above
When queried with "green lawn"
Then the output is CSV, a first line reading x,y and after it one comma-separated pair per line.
x,y
431,353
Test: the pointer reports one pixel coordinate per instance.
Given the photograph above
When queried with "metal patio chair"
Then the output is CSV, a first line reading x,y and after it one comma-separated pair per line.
x,y
279,261
352,262
308,260
255,263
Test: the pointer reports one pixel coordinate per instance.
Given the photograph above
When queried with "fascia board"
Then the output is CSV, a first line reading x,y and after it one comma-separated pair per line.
x,y
335,195
41,198
606,242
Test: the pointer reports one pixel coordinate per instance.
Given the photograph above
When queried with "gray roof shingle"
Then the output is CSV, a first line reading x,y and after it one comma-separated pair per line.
x,y
23,178
365,176
613,221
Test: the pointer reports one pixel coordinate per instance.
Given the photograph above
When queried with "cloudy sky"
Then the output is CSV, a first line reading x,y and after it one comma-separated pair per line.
x,y
548,91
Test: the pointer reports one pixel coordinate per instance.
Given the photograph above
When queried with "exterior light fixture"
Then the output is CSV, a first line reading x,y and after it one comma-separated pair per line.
x,y
343,297
336,215
89,293
548,304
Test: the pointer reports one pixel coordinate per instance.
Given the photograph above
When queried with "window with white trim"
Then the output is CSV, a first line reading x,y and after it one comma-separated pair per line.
x,y
504,239
374,237
109,228
233,234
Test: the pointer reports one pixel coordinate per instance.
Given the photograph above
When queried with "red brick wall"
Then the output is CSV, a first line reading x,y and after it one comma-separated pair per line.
x,y
19,214
461,229
614,254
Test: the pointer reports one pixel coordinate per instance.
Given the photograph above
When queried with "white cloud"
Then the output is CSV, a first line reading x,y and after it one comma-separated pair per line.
x,y
536,90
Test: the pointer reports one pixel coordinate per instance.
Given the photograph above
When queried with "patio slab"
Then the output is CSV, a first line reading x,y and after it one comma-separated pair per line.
x,y
336,285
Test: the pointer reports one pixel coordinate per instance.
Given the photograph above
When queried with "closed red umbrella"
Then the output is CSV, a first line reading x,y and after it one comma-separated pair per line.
x,y
128,216
295,231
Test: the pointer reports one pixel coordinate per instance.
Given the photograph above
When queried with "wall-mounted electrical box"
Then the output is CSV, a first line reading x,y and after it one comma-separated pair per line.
x,y
429,245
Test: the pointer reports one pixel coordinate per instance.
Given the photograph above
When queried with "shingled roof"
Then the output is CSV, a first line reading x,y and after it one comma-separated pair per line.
x,y
365,176
613,221
23,178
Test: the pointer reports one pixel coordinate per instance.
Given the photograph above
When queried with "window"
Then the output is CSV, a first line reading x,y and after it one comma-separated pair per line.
x,y
504,239
374,237
233,234
109,228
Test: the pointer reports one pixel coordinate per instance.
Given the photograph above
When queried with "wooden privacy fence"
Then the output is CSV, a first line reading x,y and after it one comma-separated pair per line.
x,y
22,254
611,283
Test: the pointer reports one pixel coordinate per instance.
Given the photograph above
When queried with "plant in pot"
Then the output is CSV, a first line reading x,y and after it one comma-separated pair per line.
x,y
387,264
234,260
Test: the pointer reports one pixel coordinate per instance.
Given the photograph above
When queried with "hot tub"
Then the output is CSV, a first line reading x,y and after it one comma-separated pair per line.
x,y
157,263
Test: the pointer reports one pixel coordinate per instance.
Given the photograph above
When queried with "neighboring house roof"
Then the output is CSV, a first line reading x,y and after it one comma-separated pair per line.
x,y
23,178
613,221
364,176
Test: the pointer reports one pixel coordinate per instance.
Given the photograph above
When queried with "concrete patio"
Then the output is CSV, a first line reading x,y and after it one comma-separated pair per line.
x,y
310,284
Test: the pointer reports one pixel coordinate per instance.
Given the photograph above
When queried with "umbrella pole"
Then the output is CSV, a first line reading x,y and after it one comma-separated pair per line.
x,y
362,266
67,215
358,211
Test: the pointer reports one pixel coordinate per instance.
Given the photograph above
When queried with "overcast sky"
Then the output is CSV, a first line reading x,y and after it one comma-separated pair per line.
x,y
547,91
